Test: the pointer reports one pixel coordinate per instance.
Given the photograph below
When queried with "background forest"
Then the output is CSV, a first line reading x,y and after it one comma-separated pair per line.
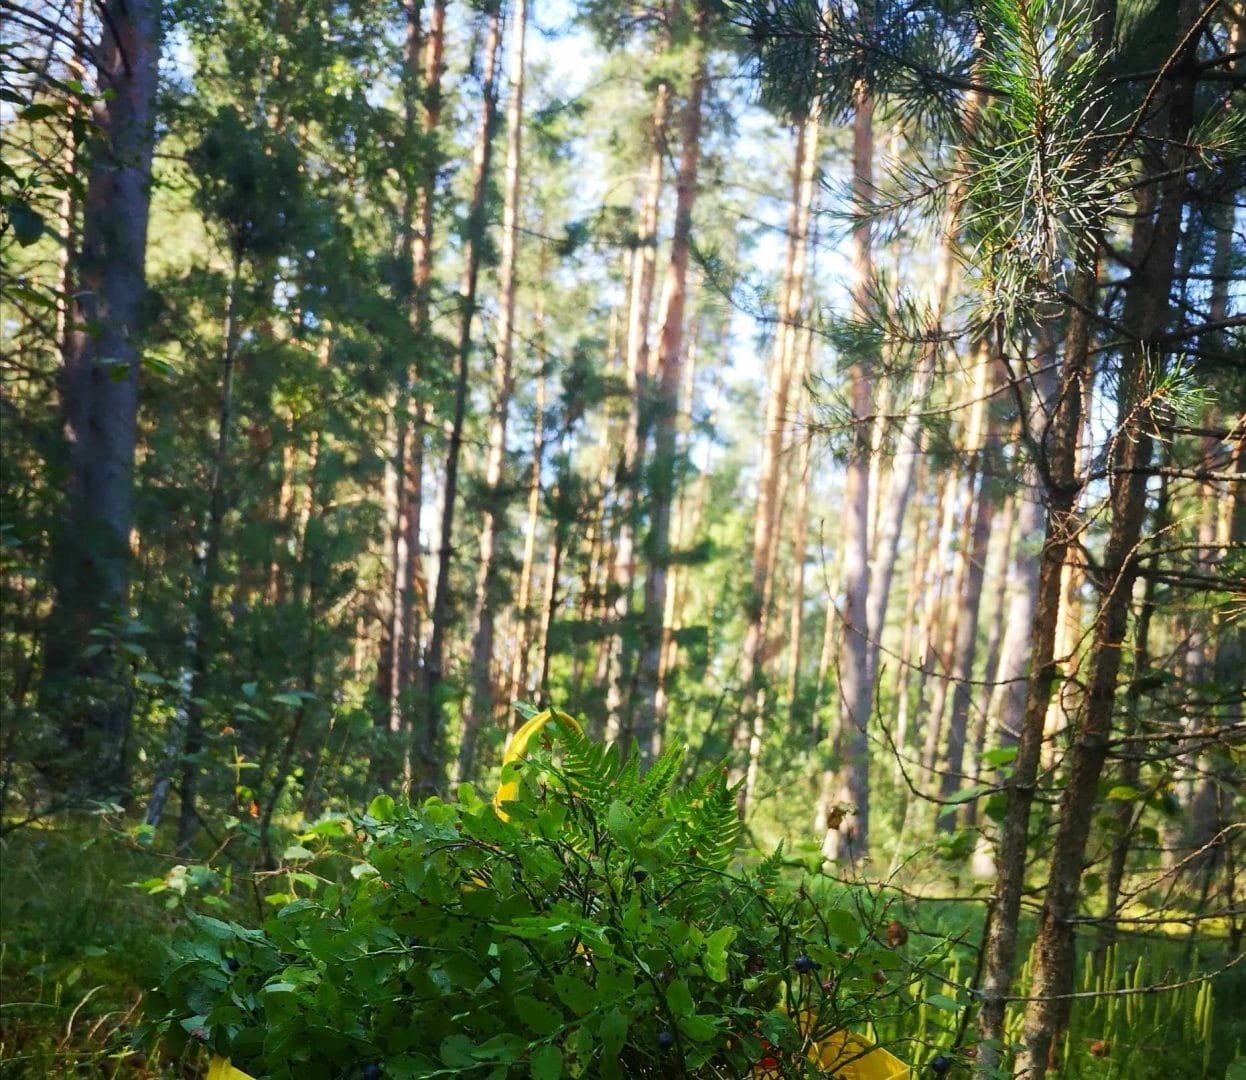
x,y
852,395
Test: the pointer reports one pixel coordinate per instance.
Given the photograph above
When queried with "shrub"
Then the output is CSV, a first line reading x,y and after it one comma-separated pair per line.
x,y
595,926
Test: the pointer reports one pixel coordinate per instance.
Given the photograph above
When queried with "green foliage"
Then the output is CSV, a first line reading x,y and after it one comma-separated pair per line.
x,y
597,928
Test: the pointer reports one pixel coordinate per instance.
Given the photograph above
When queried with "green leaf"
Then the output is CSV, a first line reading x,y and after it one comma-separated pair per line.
x,y
39,110
1001,755
942,1001
456,1051
679,999
576,995
613,1033
547,1063
381,808
970,793
540,1017
698,1028
716,952
1123,793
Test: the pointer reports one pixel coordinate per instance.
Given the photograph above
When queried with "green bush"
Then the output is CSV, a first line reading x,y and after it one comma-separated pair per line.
x,y
598,927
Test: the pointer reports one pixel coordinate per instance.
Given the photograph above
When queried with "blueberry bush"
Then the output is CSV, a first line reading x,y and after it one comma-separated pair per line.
x,y
598,923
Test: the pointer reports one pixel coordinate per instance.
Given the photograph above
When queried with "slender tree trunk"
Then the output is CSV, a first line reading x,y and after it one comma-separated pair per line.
x,y
1145,315
1058,460
480,694
949,612
997,573
966,623
404,601
850,842
908,448
666,411
186,731
523,609
90,695
800,533
627,478
426,760
1126,812
750,730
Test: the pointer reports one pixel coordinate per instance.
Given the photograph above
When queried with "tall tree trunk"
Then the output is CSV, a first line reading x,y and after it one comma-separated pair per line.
x,y
627,477
186,731
966,641
90,695
1127,811
800,533
523,605
948,610
645,726
1145,315
1057,464
908,448
426,763
750,729
480,693
850,842
404,597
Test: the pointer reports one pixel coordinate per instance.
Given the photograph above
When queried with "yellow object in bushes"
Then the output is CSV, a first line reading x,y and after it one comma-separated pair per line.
x,y
221,1069
518,747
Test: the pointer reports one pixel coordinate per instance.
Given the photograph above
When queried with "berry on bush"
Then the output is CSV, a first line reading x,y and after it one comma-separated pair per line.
x,y
939,1064
665,1040
804,965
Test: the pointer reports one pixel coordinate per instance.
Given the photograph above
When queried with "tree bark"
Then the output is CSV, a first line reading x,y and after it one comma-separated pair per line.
x,y
1057,463
965,648
1145,316
627,477
669,374
480,692
89,696
750,730
523,605
426,764
850,842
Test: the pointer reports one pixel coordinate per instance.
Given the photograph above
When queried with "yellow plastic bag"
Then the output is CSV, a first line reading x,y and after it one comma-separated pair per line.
x,y
518,746
843,1054
221,1069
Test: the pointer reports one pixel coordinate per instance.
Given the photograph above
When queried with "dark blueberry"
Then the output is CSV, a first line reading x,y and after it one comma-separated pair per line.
x,y
640,875
412,941
940,1064
665,1040
804,965
372,1071
232,964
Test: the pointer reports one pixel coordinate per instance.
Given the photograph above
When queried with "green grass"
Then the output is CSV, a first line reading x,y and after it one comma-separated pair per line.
x,y
77,948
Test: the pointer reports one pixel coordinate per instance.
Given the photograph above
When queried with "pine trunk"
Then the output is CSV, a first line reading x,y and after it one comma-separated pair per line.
x,y
426,764
90,695
627,477
850,842
1145,314
751,727
480,702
